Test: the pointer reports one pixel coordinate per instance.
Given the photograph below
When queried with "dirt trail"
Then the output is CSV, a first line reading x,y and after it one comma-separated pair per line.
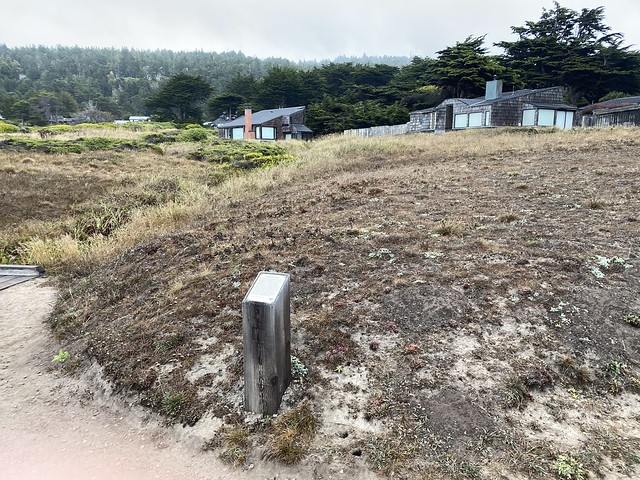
x,y
52,428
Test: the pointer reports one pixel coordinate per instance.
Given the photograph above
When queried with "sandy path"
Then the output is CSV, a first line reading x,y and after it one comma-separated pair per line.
x,y
50,428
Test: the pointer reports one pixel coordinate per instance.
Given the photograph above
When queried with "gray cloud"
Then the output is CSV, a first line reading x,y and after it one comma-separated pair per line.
x,y
295,30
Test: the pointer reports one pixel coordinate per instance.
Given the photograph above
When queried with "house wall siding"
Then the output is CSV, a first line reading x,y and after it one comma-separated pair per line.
x,y
509,112
283,125
502,113
419,121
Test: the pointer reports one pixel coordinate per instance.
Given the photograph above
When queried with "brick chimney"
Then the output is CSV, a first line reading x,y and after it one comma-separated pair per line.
x,y
249,134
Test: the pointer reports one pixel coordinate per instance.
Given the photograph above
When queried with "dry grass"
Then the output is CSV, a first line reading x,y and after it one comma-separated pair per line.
x,y
47,195
466,259
291,435
61,182
235,445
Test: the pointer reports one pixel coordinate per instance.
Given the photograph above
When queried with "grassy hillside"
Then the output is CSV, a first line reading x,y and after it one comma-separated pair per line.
x,y
463,305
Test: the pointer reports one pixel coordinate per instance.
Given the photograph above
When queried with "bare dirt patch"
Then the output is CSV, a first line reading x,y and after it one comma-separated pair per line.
x,y
58,427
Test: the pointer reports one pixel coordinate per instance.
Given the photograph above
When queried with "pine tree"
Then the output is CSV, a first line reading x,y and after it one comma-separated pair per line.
x,y
573,49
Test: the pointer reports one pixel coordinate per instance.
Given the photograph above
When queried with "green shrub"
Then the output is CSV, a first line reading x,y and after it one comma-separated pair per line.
x,y
146,126
194,134
298,368
568,468
633,320
169,136
173,404
93,125
54,129
75,146
240,155
8,128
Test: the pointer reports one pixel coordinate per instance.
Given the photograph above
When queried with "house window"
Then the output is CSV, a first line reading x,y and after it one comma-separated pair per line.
x,y
432,120
546,118
268,133
286,119
528,118
461,121
564,119
569,121
487,119
475,120
238,133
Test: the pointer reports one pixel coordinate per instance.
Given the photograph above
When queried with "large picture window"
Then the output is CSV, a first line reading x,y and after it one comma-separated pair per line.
x,y
460,121
238,133
564,119
475,120
268,133
546,118
528,118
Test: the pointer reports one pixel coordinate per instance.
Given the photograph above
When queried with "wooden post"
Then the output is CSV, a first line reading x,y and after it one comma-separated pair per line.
x,y
267,342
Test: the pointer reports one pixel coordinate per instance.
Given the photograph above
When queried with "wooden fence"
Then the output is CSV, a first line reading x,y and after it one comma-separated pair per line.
x,y
383,131
627,117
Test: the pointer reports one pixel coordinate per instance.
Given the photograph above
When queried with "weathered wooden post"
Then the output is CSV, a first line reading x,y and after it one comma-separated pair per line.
x,y
267,342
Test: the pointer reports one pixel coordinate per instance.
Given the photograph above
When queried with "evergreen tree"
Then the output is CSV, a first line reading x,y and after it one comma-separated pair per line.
x,y
280,87
572,49
463,70
180,98
226,104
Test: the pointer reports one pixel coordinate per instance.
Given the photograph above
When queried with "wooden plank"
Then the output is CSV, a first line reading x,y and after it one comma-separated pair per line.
x,y
11,275
16,270
266,342
7,281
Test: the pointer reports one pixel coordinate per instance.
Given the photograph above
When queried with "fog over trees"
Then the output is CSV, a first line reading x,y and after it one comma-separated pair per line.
x,y
577,50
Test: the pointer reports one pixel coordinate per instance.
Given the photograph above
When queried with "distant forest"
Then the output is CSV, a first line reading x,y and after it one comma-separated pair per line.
x,y
577,50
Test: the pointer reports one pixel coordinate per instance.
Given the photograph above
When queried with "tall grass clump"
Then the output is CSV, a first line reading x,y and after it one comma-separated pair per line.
x,y
53,254
120,220
292,434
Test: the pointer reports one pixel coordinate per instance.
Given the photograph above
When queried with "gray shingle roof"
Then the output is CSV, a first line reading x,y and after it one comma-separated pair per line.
x,y
481,101
263,116
552,106
511,95
618,102
301,128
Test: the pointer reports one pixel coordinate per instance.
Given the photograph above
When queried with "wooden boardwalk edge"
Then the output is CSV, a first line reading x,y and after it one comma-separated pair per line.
x,y
11,275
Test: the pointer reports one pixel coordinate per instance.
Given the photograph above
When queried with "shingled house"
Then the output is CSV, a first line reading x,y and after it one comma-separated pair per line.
x,y
618,111
542,107
278,124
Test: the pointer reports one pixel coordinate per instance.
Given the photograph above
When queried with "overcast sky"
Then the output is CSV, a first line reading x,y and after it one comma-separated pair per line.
x,y
298,30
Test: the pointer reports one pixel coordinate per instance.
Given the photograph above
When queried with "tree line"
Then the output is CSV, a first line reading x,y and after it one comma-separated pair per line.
x,y
574,49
